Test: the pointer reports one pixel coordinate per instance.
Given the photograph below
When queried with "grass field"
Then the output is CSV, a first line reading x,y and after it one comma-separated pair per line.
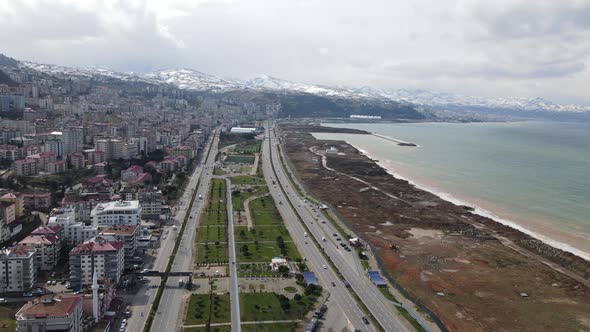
x,y
261,233
249,147
203,308
211,234
283,327
265,251
212,253
247,180
266,306
240,195
255,269
265,212
7,320
225,328
239,159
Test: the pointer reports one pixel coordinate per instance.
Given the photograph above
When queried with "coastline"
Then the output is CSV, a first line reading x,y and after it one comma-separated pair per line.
x,y
547,239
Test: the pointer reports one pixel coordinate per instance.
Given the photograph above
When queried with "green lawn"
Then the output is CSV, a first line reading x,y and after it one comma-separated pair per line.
x,y
218,171
247,180
224,328
239,159
205,307
7,320
265,251
255,269
212,253
211,234
266,306
283,327
240,195
265,212
250,147
262,233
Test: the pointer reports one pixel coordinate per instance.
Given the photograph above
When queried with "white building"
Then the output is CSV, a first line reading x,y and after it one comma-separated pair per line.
x,y
74,232
62,313
116,213
276,262
242,130
18,271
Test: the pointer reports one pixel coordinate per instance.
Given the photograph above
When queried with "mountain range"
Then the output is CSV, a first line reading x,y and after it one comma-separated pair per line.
x,y
435,101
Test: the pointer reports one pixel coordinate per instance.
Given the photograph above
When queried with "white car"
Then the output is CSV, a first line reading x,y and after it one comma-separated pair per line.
x,y
324,266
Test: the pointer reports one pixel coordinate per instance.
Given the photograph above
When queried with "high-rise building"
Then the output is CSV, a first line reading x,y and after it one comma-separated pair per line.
x,y
18,272
73,139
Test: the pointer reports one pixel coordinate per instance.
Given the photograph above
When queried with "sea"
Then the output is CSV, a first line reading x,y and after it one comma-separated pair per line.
x,y
534,176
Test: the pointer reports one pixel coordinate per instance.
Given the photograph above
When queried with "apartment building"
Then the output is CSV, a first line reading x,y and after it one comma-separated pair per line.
x,y
74,232
116,213
106,258
18,272
61,313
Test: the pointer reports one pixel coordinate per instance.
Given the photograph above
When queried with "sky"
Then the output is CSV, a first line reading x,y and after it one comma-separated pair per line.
x,y
500,48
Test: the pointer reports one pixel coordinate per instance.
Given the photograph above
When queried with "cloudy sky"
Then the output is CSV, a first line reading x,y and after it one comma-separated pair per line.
x,y
482,47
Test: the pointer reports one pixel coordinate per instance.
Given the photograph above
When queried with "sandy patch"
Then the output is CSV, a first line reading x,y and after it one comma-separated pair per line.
x,y
420,232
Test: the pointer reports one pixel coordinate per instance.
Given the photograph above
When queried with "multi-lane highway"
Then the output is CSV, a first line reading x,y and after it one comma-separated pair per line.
x,y
314,258
169,310
141,303
346,262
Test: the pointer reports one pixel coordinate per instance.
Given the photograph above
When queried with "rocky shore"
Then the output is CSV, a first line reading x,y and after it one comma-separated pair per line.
x,y
473,272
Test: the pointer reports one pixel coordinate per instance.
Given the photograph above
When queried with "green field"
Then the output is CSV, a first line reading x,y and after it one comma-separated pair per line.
x,y
249,147
241,195
7,320
203,308
283,327
265,212
265,251
212,253
211,234
224,328
261,233
255,269
239,159
247,179
267,306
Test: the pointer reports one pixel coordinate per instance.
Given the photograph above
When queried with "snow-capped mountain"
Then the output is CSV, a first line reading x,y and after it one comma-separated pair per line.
x,y
194,80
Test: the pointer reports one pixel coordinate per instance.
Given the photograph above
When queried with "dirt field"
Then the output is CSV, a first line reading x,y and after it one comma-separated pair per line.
x,y
458,264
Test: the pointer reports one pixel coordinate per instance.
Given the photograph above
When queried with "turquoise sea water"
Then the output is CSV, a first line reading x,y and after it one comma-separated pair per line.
x,y
535,174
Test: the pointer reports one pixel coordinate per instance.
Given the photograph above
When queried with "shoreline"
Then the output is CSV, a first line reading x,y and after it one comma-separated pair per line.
x,y
477,209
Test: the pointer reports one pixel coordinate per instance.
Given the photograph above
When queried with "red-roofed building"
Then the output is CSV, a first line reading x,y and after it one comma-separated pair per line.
x,y
37,201
56,167
107,258
51,313
25,167
47,249
18,272
76,160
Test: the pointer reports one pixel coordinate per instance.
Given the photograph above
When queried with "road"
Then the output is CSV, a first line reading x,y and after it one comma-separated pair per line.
x,y
346,262
339,295
142,301
168,317
233,271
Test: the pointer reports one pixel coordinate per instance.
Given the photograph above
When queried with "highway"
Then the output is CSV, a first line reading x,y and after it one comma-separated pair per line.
x,y
168,316
316,262
233,271
141,303
346,262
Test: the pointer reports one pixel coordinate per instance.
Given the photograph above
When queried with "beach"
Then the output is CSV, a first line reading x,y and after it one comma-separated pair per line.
x,y
433,246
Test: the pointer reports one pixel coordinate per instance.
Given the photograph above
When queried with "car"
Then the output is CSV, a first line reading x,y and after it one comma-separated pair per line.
x,y
3,300
124,321
365,320
324,266
48,282
323,221
54,282
122,329
63,282
333,284
335,234
27,295
305,242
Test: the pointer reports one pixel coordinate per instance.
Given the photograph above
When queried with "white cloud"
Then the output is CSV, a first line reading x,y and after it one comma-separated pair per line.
x,y
504,47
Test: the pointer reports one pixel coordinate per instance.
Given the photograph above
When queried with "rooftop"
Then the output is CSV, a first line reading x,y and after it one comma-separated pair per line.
x,y
50,306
